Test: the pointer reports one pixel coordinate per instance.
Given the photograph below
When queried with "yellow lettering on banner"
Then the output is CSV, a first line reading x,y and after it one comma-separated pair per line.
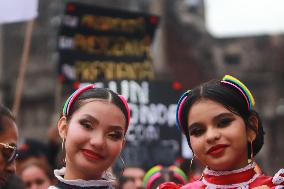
x,y
105,23
112,46
124,70
147,71
108,70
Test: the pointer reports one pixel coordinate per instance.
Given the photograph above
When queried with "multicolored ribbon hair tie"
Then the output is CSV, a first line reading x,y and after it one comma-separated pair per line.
x,y
127,109
237,84
159,171
73,96
178,173
154,170
179,108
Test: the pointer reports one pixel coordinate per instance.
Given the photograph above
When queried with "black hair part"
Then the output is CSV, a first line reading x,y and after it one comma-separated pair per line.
x,y
231,99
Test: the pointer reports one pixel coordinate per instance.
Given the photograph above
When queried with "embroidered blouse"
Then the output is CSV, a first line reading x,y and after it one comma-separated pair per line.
x,y
79,183
244,178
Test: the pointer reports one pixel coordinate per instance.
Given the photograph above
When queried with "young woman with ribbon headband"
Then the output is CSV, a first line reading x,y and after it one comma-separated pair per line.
x,y
8,143
225,133
93,125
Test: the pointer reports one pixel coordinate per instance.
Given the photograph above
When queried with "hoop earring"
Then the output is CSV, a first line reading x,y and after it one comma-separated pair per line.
x,y
191,161
251,159
63,150
257,169
190,167
123,165
251,151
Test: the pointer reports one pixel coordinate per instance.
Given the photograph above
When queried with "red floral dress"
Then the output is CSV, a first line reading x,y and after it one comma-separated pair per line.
x,y
244,178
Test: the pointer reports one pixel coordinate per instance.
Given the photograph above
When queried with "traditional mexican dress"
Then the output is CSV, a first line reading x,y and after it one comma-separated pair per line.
x,y
79,184
244,178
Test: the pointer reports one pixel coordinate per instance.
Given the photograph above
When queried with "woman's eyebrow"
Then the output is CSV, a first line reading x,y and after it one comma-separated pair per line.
x,y
226,114
91,118
116,127
194,125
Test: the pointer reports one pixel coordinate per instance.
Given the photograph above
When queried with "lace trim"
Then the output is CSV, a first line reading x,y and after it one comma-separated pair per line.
x,y
277,179
279,187
79,182
219,173
243,185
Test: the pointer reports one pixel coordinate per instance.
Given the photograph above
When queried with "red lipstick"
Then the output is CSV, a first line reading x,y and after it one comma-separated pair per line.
x,y
217,149
91,155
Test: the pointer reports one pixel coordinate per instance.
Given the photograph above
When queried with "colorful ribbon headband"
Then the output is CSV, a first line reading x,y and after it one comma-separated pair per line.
x,y
156,172
151,172
234,82
76,93
178,173
73,96
179,107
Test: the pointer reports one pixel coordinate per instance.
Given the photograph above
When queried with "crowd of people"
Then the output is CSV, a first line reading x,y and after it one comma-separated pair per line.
x,y
218,119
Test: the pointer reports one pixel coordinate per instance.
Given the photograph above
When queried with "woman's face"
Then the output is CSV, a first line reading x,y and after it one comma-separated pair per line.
x,y
35,178
8,136
218,137
94,138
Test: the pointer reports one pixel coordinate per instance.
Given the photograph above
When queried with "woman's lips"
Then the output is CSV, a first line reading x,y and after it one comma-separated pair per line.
x,y
217,149
91,155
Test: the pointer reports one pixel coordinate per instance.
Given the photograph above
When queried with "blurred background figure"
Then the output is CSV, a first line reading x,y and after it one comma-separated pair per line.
x,y
14,182
37,175
8,144
29,151
126,183
193,170
160,174
135,174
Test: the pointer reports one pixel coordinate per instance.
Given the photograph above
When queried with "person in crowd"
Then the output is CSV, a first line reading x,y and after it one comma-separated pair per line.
x,y
136,174
126,183
8,144
225,133
37,175
93,125
31,150
14,182
160,174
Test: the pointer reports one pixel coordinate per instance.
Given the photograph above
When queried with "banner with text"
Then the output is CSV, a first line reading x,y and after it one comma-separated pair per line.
x,y
101,44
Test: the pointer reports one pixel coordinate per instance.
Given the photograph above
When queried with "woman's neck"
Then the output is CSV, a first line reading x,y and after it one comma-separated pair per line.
x,y
72,173
237,170
230,179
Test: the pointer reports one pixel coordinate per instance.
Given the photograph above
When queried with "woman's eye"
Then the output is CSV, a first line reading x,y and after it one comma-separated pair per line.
x,y
116,135
196,131
225,122
86,124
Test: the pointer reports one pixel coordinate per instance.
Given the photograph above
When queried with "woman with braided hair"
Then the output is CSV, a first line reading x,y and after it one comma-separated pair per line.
x,y
225,133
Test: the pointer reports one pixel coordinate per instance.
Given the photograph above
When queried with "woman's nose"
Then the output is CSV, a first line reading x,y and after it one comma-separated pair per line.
x,y
97,139
212,134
